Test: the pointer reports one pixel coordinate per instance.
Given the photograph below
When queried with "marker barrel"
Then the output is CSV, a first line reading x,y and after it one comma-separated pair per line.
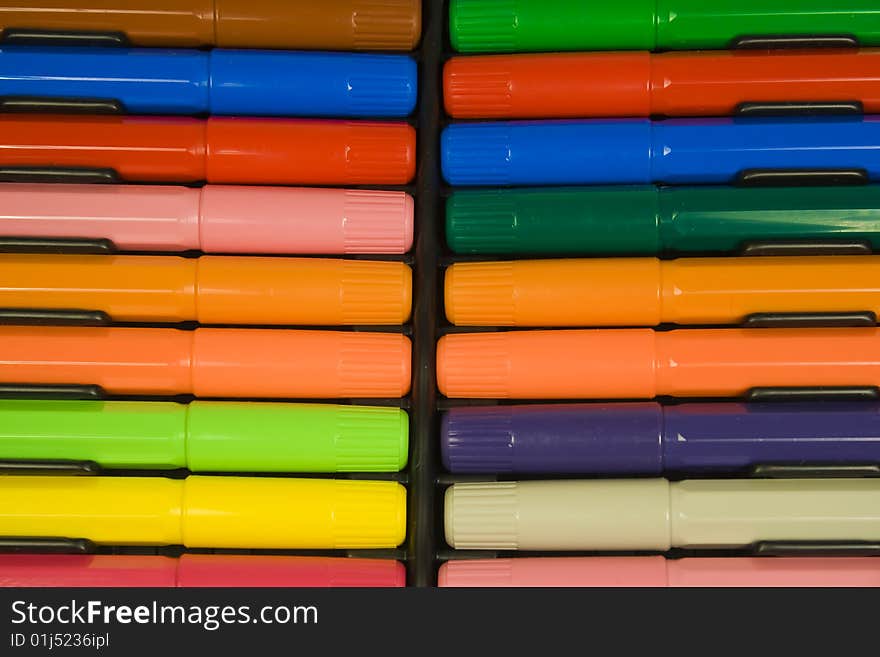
x,y
252,363
648,292
538,25
646,438
283,24
195,571
212,289
214,218
642,363
219,149
220,82
660,572
207,436
654,514
208,512
646,220
639,151
583,85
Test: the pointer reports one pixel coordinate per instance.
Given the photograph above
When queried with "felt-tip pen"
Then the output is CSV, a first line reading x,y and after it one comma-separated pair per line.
x,y
583,85
650,439
285,24
643,363
207,512
641,151
206,362
219,82
206,436
196,571
547,25
213,218
211,289
648,220
234,150
661,572
648,291
655,514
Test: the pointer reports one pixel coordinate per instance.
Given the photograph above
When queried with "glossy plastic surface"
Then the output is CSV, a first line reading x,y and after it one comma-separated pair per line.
x,y
675,151
234,512
331,25
207,436
647,220
642,363
648,292
253,363
214,218
583,85
232,82
539,25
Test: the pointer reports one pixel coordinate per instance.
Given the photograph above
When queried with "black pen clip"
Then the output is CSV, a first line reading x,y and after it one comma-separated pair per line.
x,y
49,468
56,392
813,393
57,245
50,105
23,36
806,248
815,471
801,177
800,108
816,549
49,545
49,174
53,317
786,41
858,319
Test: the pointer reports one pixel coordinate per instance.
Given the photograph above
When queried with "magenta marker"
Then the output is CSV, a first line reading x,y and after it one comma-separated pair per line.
x,y
214,219
661,572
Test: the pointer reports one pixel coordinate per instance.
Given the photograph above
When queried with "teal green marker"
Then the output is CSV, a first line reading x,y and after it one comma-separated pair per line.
x,y
207,436
536,25
648,220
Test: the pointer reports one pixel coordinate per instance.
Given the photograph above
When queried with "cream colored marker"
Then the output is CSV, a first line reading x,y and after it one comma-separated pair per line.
x,y
654,514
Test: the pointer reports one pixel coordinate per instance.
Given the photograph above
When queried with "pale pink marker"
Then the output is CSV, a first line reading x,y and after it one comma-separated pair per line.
x,y
661,572
214,219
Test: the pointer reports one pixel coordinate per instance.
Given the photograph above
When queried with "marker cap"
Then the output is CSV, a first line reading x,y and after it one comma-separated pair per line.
x,y
272,437
574,220
247,512
303,151
248,571
510,25
554,571
87,570
239,219
605,514
559,438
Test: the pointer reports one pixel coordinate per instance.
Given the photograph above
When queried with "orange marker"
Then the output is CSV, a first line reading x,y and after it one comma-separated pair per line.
x,y
603,84
259,363
211,289
648,291
232,150
643,363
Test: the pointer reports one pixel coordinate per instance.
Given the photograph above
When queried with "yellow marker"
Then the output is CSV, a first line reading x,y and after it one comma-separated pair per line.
x,y
206,512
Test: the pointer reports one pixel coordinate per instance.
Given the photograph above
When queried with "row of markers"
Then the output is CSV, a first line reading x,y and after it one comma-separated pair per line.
x,y
110,357
752,428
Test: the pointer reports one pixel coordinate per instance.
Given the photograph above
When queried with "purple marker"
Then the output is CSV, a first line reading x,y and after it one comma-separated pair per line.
x,y
646,438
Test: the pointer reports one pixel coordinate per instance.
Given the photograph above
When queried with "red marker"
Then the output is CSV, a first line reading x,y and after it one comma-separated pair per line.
x,y
604,84
196,571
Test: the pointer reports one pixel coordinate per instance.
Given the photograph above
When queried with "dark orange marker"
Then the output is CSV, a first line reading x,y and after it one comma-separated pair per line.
x,y
218,150
710,83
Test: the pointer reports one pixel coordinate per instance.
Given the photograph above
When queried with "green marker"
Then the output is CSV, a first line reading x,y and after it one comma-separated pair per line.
x,y
207,436
535,25
649,220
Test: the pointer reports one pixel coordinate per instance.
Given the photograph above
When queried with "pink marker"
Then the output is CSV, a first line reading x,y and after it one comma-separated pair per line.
x,y
214,219
660,572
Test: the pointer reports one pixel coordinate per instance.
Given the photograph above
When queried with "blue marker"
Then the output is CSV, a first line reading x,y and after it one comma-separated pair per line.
x,y
224,82
626,151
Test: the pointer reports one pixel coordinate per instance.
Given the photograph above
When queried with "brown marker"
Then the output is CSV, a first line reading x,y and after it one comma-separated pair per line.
x,y
327,25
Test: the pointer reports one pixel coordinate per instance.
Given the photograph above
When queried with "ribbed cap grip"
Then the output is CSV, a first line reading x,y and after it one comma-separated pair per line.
x,y
390,90
483,25
477,442
482,221
375,292
476,88
374,364
481,294
380,153
371,439
369,514
473,365
367,573
476,153
482,573
377,221
482,516
386,24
